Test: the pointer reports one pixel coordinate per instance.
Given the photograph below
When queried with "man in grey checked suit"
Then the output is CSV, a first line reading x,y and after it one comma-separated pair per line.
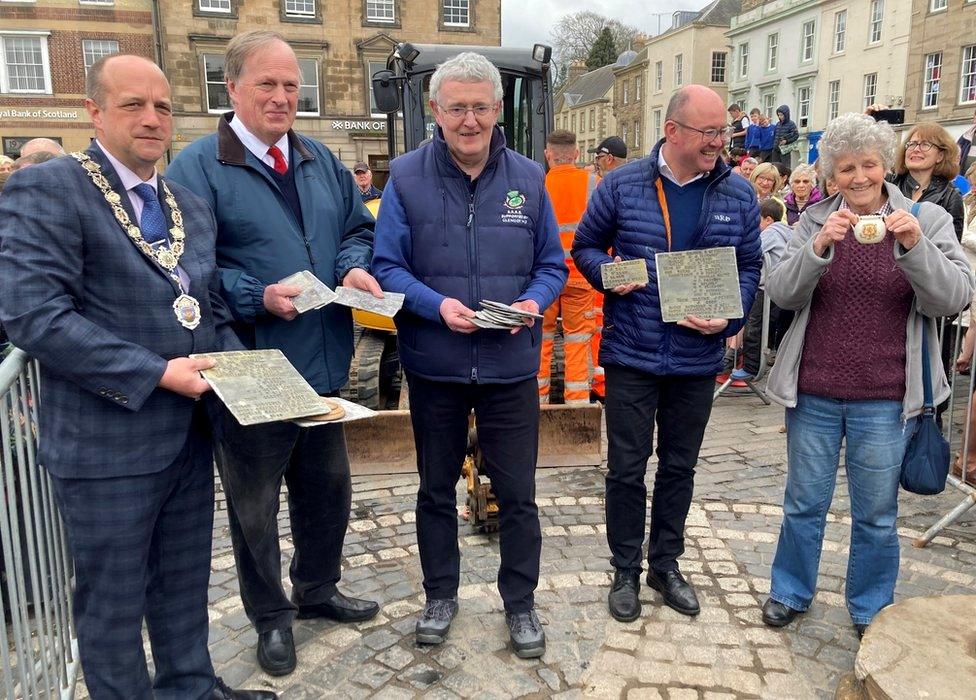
x,y
97,287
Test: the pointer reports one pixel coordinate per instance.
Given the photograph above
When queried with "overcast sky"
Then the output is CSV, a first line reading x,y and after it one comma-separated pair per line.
x,y
527,22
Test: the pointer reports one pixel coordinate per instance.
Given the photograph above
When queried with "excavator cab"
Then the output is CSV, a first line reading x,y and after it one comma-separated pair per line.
x,y
568,435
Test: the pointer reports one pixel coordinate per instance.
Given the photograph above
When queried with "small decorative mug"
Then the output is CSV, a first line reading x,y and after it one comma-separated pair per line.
x,y
870,229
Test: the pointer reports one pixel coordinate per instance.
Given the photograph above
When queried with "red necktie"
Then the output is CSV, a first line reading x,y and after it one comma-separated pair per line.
x,y
280,166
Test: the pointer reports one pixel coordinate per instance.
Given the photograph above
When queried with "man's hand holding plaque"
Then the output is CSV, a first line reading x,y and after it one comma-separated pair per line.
x,y
624,276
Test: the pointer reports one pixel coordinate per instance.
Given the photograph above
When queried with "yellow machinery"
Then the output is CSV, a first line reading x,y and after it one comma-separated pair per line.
x,y
568,435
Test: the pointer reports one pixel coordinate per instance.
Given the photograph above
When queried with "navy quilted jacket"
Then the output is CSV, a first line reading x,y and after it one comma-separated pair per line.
x,y
624,214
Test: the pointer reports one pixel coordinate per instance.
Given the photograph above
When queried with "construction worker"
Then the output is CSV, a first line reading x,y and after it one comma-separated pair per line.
x,y
610,154
569,188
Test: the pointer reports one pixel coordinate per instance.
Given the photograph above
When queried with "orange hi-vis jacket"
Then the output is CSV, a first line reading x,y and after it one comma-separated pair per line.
x,y
569,189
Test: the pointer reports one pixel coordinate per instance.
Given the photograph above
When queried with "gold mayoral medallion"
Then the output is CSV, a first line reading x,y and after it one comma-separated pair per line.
x,y
186,308
187,311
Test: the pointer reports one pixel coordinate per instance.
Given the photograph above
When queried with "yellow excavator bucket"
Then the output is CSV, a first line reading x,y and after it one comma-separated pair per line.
x,y
569,436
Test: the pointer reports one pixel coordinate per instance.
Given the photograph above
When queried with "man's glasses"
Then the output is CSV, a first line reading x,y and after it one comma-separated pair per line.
x,y
709,135
923,146
458,112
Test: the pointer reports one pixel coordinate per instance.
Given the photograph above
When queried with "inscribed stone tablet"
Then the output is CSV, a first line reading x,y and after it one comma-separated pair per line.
x,y
261,386
626,272
703,283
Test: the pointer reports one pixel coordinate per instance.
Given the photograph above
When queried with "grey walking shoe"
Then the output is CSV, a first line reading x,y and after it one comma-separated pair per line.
x,y
435,620
528,639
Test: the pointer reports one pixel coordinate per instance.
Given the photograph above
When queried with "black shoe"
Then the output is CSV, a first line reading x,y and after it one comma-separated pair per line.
x,y
776,614
623,601
525,631
340,608
678,593
276,652
861,629
435,621
222,692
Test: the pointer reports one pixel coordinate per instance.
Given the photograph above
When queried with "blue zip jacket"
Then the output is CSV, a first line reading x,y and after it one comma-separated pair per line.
x,y
259,242
753,137
624,215
441,235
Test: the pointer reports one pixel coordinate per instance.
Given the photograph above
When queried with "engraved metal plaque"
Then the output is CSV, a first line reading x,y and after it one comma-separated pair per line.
x,y
625,272
358,299
314,294
703,283
261,386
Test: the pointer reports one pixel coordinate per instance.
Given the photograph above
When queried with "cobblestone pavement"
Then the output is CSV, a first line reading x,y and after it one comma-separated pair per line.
x,y
725,652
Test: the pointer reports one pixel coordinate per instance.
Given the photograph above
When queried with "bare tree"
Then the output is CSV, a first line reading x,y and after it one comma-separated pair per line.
x,y
574,34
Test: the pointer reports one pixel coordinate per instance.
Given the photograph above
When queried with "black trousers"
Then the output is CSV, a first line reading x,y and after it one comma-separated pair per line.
x,y
681,407
507,421
141,549
313,463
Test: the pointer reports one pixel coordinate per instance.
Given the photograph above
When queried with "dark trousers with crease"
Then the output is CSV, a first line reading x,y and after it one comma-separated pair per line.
x,y
507,421
681,407
141,550
313,462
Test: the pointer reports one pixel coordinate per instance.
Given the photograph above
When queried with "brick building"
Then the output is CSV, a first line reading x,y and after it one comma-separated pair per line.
x,y
46,47
585,107
629,90
338,45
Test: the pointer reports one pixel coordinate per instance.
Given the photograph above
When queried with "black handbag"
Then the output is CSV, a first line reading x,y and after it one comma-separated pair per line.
x,y
926,463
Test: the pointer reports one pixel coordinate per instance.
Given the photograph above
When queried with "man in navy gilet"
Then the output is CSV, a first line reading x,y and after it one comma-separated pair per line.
x,y
465,219
283,204
678,198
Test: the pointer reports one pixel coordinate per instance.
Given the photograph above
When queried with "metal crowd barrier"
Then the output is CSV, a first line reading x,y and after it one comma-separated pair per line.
x,y
765,351
959,440
39,653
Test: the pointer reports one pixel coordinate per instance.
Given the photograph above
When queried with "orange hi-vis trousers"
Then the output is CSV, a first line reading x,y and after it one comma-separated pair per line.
x,y
575,306
599,383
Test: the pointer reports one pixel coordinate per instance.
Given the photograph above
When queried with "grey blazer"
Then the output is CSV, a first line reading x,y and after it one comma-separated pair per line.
x,y
79,296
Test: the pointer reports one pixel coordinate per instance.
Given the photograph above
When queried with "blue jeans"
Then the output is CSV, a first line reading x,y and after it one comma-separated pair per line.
x,y
876,441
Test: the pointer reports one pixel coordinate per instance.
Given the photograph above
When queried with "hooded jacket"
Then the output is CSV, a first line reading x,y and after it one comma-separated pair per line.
x,y
786,128
624,214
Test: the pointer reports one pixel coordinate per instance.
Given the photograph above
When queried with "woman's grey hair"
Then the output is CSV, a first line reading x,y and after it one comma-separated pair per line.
x,y
855,133
467,67
805,170
242,46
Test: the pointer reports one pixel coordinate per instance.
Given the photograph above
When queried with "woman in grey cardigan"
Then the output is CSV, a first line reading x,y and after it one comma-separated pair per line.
x,y
850,367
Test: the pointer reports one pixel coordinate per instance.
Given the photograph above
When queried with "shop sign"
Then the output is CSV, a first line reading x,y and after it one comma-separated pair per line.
x,y
45,113
360,125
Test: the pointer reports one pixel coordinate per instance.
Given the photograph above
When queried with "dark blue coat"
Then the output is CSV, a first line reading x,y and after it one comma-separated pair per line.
x,y
259,242
786,129
624,215
440,236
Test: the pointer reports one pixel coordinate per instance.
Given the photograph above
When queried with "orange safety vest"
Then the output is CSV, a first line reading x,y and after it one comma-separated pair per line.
x,y
569,189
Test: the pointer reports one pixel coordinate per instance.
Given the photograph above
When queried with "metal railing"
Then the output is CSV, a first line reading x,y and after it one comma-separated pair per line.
x,y
39,653
965,480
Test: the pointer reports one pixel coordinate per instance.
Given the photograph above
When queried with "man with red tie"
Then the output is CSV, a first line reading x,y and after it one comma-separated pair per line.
x,y
283,204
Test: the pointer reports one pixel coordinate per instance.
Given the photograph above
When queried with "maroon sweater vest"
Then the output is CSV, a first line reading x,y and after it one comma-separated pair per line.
x,y
854,348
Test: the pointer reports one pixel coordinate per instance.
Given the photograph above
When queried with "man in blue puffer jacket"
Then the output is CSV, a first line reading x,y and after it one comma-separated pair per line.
x,y
656,369
464,219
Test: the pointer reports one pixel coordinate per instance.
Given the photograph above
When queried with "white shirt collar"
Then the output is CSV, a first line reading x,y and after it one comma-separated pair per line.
x,y
129,179
665,170
255,145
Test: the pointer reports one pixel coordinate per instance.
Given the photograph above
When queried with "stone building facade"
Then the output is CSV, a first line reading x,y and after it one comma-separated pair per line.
x,y
338,45
941,78
585,107
46,47
693,50
629,92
